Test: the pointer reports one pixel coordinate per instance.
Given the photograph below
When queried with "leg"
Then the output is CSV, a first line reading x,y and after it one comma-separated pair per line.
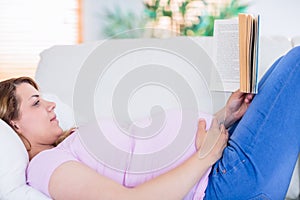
x,y
265,144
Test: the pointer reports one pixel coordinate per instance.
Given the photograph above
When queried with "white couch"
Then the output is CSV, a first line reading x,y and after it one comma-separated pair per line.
x,y
59,67
61,74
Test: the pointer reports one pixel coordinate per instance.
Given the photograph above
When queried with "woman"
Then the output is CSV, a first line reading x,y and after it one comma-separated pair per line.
x,y
257,163
57,173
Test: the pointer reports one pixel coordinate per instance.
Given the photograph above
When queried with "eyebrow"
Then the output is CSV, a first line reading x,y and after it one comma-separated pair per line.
x,y
35,95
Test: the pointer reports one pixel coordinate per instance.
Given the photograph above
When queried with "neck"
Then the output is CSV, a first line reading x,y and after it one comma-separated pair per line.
x,y
37,149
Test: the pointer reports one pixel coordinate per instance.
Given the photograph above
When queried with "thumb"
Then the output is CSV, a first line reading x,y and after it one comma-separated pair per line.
x,y
201,133
202,124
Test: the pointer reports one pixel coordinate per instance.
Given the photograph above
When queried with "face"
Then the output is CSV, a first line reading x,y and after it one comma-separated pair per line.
x,y
37,121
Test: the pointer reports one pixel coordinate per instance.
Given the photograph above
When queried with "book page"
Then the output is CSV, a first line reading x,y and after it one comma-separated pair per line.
x,y
226,76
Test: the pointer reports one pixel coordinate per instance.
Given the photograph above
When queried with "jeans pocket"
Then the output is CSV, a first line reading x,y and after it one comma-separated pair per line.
x,y
230,163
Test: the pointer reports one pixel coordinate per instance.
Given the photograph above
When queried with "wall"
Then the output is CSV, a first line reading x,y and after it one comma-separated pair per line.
x,y
278,17
94,11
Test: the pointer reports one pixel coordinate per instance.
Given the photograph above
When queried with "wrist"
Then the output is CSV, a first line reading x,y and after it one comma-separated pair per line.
x,y
208,157
209,160
223,117
226,117
206,161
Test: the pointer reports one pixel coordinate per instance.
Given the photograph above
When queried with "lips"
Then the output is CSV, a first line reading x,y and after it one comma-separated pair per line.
x,y
53,118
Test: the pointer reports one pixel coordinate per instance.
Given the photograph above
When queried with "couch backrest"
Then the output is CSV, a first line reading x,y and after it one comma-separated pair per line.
x,y
271,48
59,66
295,41
62,67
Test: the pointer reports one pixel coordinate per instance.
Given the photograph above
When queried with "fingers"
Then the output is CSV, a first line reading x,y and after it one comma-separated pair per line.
x,y
238,93
217,150
201,133
249,98
223,139
212,138
242,97
246,96
215,124
214,143
202,125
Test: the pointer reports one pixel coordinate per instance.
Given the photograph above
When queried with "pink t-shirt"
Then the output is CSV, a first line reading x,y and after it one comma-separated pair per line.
x,y
72,148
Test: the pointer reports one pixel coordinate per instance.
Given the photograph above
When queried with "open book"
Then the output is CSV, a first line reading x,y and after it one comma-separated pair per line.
x,y
236,44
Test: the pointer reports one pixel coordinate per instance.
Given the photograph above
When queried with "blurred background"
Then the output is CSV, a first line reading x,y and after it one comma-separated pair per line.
x,y
29,27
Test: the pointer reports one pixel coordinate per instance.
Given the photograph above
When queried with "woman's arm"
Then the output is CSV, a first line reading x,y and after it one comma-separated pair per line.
x,y
235,108
73,180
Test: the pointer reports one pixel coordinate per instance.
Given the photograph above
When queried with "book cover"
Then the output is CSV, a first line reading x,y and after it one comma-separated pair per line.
x,y
248,51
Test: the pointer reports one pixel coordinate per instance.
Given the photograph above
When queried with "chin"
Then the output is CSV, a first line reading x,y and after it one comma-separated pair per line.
x,y
60,131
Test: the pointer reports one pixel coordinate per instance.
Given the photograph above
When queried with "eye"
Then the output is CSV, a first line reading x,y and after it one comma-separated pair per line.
x,y
36,103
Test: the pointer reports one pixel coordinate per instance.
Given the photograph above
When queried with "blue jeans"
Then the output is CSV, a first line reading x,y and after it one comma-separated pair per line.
x,y
264,146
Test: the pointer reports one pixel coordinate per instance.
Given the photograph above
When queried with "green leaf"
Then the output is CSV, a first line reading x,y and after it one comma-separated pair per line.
x,y
120,20
167,13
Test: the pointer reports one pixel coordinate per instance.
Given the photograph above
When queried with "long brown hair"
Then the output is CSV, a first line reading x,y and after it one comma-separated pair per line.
x,y
10,105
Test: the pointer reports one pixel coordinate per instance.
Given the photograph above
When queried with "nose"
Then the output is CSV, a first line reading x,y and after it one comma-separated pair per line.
x,y
50,105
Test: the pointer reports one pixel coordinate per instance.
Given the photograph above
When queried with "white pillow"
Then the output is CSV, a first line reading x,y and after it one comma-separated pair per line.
x,y
14,160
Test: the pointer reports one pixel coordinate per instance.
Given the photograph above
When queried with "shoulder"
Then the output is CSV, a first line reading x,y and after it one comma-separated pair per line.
x,y
42,166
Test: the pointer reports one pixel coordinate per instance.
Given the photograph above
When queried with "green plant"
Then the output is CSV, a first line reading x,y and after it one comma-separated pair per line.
x,y
119,24
204,25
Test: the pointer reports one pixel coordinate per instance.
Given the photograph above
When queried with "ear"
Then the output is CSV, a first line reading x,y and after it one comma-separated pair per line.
x,y
14,125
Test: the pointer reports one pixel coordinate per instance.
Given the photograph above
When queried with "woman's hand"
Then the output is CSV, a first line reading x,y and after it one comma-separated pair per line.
x,y
236,106
211,143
